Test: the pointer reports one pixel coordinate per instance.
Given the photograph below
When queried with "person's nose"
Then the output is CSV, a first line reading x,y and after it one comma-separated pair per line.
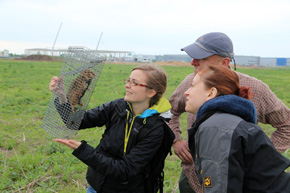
x,y
186,92
194,62
127,85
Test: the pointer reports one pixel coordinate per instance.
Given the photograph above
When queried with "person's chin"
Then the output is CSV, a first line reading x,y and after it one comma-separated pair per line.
x,y
186,108
126,98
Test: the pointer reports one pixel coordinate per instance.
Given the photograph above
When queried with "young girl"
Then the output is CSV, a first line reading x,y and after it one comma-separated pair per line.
x,y
119,162
231,153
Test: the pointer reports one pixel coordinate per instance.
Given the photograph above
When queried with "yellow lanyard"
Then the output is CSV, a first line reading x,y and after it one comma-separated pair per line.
x,y
127,133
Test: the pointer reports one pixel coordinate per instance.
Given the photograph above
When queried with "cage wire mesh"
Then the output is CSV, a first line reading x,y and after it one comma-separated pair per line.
x,y
77,80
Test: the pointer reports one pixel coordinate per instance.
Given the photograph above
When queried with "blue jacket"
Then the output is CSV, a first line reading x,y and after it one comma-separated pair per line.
x,y
232,153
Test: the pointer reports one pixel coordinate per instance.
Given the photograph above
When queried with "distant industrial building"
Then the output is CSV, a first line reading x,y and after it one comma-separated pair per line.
x,y
239,59
118,56
157,58
178,57
260,61
275,62
128,56
144,58
45,51
4,54
247,60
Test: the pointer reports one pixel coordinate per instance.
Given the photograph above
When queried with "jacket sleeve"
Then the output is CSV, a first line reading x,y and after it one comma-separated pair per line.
x,y
98,116
177,101
271,110
212,162
130,165
254,153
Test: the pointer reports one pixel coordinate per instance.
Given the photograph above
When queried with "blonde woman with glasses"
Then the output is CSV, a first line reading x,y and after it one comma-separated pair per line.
x,y
119,162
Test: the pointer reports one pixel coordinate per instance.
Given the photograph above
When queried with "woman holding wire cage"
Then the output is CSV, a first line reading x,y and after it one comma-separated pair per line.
x,y
119,162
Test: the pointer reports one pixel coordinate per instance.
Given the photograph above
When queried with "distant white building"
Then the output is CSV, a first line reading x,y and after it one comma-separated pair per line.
x,y
268,62
247,60
114,56
129,56
275,62
4,54
144,58
174,57
261,61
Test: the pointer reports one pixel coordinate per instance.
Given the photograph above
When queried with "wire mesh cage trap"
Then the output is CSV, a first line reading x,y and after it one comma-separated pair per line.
x,y
77,80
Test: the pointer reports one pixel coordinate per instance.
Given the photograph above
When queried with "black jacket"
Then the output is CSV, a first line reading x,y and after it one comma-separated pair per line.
x,y
109,169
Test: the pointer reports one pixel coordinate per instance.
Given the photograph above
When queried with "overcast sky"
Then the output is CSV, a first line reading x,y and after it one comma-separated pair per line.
x,y
256,27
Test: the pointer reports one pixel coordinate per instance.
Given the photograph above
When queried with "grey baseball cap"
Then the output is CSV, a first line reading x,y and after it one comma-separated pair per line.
x,y
210,44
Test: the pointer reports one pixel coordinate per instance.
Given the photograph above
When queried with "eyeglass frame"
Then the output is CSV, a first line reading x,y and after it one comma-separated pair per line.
x,y
127,80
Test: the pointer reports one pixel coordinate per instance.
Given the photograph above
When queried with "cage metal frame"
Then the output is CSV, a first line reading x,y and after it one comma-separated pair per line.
x,y
81,68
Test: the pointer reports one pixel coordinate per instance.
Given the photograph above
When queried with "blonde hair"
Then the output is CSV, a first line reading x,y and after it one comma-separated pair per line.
x,y
156,79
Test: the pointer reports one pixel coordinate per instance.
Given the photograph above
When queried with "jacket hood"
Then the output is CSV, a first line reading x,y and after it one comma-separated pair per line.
x,y
163,107
231,104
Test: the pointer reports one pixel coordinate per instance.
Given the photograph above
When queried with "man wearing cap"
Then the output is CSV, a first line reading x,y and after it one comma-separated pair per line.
x,y
217,48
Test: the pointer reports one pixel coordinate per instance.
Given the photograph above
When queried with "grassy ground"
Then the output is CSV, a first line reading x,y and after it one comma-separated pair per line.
x,y
30,161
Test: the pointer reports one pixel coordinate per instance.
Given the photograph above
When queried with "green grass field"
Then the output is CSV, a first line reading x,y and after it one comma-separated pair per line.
x,y
30,161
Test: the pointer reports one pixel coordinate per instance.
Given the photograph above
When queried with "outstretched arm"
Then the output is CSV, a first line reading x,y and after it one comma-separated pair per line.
x,y
122,168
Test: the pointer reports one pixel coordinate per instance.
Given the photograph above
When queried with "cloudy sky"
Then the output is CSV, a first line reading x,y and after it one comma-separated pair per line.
x,y
256,27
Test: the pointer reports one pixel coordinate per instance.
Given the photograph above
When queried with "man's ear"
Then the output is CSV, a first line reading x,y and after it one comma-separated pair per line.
x,y
213,92
226,62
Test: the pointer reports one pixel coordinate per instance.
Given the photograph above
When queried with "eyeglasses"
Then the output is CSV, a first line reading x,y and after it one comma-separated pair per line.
x,y
133,83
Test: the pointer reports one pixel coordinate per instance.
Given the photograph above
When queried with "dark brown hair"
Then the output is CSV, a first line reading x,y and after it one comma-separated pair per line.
x,y
156,79
225,80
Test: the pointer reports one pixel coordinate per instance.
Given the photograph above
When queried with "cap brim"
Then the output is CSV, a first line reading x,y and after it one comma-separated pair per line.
x,y
196,52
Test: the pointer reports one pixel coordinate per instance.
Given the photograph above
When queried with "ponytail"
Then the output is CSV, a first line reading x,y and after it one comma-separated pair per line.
x,y
225,80
245,92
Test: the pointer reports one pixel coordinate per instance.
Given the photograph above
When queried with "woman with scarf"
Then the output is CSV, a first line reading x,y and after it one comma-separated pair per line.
x,y
230,151
120,161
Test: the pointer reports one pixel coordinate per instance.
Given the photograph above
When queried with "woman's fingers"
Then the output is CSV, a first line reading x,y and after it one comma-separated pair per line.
x,y
52,83
70,143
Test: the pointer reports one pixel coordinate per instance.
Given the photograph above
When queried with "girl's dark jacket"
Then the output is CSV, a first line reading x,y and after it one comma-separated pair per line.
x,y
232,153
109,169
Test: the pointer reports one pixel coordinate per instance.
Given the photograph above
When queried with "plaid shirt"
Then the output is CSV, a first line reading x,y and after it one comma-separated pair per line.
x,y
270,110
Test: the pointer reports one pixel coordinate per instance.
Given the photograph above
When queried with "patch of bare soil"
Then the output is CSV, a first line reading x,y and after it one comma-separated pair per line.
x,y
38,58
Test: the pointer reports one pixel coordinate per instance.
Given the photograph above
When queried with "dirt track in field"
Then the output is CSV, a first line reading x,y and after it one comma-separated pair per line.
x,y
37,58
49,58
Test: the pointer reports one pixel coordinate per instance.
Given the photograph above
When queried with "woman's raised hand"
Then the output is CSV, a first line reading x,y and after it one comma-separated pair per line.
x,y
57,87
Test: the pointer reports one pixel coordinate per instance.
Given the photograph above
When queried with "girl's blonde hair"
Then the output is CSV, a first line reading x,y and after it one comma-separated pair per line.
x,y
156,79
